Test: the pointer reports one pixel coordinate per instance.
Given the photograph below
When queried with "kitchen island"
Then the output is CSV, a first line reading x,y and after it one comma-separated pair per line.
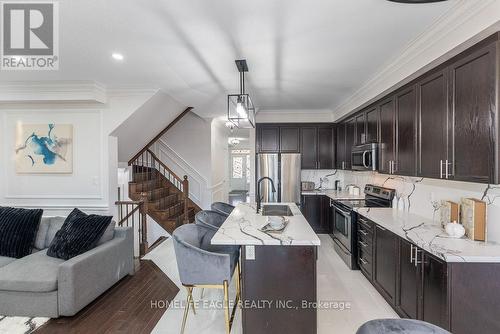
x,y
278,270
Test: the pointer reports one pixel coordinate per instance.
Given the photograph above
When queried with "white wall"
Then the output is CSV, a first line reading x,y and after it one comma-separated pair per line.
x,y
220,161
92,186
145,123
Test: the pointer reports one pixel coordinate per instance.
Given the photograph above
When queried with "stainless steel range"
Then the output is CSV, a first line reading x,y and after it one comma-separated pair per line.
x,y
345,220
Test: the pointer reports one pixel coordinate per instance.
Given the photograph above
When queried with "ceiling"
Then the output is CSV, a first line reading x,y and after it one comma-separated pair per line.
x,y
302,54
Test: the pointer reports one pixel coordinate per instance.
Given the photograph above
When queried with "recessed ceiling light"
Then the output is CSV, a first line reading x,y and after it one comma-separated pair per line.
x,y
117,56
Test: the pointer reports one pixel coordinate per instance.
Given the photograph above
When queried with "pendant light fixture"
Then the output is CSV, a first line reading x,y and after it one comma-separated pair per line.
x,y
240,109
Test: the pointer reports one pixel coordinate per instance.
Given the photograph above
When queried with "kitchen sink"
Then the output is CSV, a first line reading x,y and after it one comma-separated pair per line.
x,y
276,210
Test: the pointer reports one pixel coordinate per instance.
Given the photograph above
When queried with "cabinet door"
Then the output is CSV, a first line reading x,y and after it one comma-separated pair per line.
x,y
269,139
406,128
309,147
387,122
350,132
289,139
360,129
434,290
326,148
385,263
407,296
325,216
433,115
311,209
372,123
474,115
340,158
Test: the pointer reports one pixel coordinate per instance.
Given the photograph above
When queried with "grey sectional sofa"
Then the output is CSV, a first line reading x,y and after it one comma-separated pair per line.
x,y
43,286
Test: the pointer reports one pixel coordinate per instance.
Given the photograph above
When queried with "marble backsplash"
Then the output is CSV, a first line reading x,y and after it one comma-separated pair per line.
x,y
422,196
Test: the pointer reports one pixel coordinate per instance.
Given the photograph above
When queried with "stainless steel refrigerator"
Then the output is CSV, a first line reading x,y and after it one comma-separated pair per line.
x,y
284,169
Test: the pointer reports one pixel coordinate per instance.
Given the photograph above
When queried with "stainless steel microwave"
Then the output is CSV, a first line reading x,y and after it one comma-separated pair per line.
x,y
365,157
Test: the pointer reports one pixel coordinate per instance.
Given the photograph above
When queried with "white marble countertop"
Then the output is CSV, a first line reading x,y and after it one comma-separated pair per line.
x,y
334,194
242,228
431,237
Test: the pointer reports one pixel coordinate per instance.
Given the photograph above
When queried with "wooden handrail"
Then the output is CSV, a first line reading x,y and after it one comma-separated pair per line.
x,y
163,165
159,135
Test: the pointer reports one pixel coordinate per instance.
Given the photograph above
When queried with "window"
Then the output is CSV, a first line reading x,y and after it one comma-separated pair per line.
x,y
237,167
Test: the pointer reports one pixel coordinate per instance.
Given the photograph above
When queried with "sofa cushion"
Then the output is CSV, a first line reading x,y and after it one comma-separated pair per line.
x,y
33,273
18,229
55,224
109,233
4,260
41,235
79,233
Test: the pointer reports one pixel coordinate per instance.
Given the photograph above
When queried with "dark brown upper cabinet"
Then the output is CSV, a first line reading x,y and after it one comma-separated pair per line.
x,y
387,136
372,125
350,133
326,147
473,143
340,162
406,132
309,147
432,100
360,121
268,139
289,139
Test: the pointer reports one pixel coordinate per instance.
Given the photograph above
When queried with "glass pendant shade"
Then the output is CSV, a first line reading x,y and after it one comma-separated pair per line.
x,y
241,111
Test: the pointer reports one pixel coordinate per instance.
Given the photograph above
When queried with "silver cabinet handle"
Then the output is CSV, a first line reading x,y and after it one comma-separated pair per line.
x,y
440,169
364,244
446,166
394,164
411,253
363,260
381,228
416,257
362,232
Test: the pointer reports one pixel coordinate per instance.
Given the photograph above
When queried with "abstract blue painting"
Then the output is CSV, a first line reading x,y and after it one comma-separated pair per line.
x,y
44,148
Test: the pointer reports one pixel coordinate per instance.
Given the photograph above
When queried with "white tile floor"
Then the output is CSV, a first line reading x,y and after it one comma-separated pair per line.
x,y
335,283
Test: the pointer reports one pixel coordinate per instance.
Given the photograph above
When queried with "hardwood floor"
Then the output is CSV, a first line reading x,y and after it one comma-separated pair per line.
x,y
125,308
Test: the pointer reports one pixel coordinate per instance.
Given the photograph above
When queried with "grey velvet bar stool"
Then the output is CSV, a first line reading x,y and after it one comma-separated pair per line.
x,y
400,326
222,208
210,219
204,265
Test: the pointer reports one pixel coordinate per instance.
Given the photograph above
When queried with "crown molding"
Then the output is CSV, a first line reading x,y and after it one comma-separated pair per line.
x,y
466,23
294,116
52,91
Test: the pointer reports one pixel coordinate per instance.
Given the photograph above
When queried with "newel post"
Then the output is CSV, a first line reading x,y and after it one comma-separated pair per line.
x,y
185,190
143,211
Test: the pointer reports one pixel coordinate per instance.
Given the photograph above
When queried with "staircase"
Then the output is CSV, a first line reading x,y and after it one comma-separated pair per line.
x,y
162,192
156,191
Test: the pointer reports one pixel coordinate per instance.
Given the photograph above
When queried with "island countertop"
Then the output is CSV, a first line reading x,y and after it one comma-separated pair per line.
x,y
242,228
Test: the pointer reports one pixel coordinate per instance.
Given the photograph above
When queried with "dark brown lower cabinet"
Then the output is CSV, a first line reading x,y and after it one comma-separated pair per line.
x,y
460,297
434,289
316,210
407,296
386,252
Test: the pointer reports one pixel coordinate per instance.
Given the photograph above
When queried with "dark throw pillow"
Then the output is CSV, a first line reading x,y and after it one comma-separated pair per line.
x,y
79,233
18,229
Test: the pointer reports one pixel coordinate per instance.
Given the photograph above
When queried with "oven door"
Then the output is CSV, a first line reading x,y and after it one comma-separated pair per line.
x,y
342,226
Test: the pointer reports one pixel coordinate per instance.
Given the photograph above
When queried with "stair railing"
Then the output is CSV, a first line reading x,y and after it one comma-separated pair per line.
x,y
128,213
152,169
